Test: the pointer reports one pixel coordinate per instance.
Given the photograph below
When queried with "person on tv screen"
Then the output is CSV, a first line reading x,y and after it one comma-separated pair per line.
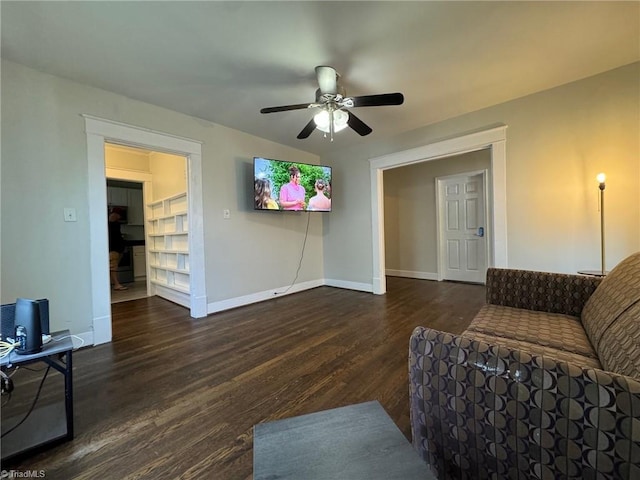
x,y
292,194
263,199
320,201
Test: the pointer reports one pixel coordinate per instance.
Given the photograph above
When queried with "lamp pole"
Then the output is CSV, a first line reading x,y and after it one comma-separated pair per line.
x,y
601,178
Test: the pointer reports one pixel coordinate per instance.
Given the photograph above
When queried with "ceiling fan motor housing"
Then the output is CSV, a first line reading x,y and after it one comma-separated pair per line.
x,y
327,79
328,97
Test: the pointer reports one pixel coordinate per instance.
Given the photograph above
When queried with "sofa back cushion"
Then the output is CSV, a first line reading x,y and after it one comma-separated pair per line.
x,y
615,295
620,352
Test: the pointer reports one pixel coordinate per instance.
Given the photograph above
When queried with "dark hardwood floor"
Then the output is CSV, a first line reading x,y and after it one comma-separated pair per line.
x,y
173,397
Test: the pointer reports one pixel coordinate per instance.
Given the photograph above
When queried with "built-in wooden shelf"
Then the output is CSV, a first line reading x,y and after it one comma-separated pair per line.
x,y
168,248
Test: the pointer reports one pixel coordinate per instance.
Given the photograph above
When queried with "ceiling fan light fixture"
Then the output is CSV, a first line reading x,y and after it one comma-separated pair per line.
x,y
340,120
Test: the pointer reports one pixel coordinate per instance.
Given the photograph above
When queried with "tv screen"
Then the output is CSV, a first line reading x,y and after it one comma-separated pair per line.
x,y
280,185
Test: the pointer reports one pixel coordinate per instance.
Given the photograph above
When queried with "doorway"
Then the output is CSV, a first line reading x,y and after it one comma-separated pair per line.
x,y
137,179
413,216
100,131
493,139
126,198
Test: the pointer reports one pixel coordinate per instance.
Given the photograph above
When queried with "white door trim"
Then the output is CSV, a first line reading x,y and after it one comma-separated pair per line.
x,y
495,139
442,252
99,131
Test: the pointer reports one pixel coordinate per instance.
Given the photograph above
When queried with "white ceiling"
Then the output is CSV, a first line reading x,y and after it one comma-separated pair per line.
x,y
223,61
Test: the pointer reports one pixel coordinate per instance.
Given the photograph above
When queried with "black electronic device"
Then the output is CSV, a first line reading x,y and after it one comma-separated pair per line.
x,y
28,333
8,314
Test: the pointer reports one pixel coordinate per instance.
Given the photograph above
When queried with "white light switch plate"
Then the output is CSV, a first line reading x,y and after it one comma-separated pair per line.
x,y
70,215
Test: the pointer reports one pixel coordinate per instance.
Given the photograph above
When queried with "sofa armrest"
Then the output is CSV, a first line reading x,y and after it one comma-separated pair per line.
x,y
484,411
542,291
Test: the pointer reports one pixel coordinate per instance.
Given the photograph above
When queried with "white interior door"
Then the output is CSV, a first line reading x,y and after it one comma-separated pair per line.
x,y
462,227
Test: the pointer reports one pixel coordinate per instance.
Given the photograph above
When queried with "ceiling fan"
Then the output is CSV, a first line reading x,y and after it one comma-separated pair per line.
x,y
334,104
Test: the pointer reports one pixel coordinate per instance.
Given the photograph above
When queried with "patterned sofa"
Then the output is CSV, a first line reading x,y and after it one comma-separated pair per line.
x,y
545,382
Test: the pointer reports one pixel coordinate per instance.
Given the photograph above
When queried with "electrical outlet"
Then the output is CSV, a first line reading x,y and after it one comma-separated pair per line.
x,y
226,213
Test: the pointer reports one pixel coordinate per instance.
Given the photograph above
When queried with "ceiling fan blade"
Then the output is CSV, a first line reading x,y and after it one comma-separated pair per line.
x,y
358,125
378,100
284,108
307,130
327,79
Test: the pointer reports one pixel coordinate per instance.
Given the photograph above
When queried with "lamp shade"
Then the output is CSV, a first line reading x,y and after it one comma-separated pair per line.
x,y
601,177
340,119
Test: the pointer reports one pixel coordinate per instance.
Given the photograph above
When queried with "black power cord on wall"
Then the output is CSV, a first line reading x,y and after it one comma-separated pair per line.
x,y
304,244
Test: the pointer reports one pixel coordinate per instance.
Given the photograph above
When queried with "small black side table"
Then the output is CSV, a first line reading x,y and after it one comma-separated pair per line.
x,y
44,427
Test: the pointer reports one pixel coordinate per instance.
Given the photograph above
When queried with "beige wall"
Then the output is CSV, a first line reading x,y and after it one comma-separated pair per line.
x,y
557,141
169,174
410,211
116,156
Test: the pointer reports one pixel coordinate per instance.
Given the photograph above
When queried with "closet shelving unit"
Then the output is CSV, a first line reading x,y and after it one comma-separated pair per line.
x,y
168,248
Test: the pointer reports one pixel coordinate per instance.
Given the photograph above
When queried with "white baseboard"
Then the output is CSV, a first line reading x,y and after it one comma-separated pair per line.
x,y
172,295
270,294
412,274
199,307
101,332
261,296
363,287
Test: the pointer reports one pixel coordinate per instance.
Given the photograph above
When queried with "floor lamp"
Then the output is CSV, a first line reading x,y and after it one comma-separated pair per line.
x,y
601,178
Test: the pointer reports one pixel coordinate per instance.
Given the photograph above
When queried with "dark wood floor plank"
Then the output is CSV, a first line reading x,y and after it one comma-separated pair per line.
x,y
174,397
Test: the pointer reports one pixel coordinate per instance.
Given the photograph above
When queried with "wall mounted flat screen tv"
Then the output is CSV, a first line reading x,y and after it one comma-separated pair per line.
x,y
281,185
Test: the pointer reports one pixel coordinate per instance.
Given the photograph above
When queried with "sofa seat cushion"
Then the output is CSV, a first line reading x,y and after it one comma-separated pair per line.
x,y
617,292
620,344
549,330
535,349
